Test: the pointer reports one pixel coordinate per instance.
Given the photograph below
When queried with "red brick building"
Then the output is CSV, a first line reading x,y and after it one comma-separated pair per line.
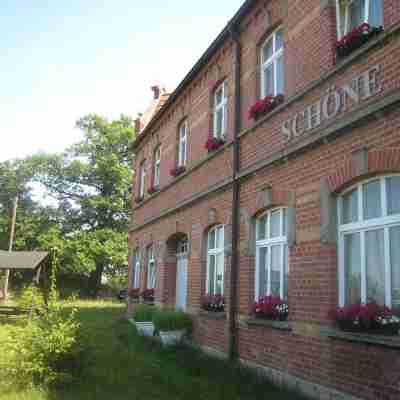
x,y
299,198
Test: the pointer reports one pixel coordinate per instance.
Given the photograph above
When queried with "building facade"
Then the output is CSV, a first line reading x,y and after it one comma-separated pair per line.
x,y
274,169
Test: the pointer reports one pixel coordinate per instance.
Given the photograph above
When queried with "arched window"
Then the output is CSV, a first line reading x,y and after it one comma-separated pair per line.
x,y
272,254
151,268
369,242
136,269
215,260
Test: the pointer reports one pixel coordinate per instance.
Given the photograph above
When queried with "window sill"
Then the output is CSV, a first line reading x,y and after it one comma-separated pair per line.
x,y
212,314
379,340
280,325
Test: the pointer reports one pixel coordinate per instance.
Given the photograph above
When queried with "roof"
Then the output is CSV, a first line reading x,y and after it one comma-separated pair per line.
x,y
22,259
204,59
152,110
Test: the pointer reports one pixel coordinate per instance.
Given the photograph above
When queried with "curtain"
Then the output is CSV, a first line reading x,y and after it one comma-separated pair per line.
x,y
372,200
353,268
393,195
375,262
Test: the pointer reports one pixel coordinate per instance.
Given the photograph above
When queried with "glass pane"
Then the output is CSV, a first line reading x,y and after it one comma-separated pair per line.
x,y
276,265
285,222
393,195
220,238
267,50
269,80
285,273
275,224
395,265
219,285
356,13
262,227
211,239
376,13
218,122
262,270
218,96
280,75
372,200
278,40
350,207
211,274
375,253
352,268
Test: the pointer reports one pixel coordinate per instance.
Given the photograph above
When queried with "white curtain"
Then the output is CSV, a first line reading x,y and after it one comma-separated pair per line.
x,y
375,263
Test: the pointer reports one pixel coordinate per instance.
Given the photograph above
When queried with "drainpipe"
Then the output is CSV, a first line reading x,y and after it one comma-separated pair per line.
x,y
233,340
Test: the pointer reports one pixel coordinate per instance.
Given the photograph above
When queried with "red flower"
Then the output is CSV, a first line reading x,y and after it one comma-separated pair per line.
x,y
177,171
214,143
148,294
270,307
138,199
265,105
134,293
213,302
152,190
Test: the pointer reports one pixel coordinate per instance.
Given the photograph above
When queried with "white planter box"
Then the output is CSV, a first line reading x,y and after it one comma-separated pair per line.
x,y
145,328
170,338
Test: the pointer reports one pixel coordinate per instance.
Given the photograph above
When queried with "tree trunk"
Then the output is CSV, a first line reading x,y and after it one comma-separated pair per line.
x,y
95,280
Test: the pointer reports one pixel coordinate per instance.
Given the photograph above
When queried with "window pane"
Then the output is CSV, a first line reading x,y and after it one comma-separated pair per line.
x,y
393,195
275,224
263,274
285,273
285,222
269,80
276,265
278,40
350,207
211,239
218,96
356,13
262,227
352,268
220,238
372,200
376,13
280,76
219,285
211,274
395,265
375,253
267,50
218,123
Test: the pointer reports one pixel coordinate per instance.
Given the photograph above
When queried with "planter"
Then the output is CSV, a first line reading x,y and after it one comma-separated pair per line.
x,y
145,328
351,327
171,338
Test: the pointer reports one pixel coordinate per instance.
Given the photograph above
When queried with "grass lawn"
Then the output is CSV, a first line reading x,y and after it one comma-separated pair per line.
x,y
124,366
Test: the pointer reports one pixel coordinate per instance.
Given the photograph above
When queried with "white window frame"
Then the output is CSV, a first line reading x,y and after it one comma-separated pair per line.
x,y
221,107
264,64
136,276
362,226
269,242
142,179
151,265
215,251
182,144
347,17
157,166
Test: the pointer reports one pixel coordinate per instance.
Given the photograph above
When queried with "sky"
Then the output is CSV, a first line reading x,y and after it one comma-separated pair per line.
x,y
60,60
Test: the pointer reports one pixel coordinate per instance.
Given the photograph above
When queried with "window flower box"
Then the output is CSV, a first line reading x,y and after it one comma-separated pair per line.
x,y
148,295
213,302
152,190
271,308
265,105
355,39
134,294
214,143
177,171
367,318
139,199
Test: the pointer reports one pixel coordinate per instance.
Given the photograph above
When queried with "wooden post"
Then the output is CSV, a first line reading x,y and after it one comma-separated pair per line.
x,y
13,220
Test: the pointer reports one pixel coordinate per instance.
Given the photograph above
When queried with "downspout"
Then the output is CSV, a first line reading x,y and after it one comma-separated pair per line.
x,y
234,275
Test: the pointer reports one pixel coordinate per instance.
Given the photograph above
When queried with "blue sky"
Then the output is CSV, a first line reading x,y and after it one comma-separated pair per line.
x,y
60,60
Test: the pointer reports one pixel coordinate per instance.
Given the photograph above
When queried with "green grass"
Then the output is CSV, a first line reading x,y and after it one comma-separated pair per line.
x,y
126,366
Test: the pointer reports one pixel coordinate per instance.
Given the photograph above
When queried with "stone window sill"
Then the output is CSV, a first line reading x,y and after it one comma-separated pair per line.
x,y
212,314
379,340
280,325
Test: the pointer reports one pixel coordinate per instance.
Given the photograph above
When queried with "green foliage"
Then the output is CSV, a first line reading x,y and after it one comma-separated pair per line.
x,y
170,320
31,298
118,282
143,313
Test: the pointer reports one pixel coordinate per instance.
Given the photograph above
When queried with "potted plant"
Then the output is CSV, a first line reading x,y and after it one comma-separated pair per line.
x,y
265,105
272,308
134,294
143,317
171,325
367,318
213,302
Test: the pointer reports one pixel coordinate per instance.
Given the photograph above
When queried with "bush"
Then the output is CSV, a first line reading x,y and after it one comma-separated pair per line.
x,y
31,298
169,320
143,313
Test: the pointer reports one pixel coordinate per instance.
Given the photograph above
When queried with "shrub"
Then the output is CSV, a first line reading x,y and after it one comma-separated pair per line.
x,y
31,298
169,320
143,313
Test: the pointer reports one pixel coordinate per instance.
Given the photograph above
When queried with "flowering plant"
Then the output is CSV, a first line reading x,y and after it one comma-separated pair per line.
x,y
265,105
271,307
356,38
214,143
213,302
134,293
367,318
152,190
177,170
148,295
138,199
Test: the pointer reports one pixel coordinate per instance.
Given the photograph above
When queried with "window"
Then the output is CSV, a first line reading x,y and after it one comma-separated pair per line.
x,y
151,268
157,166
215,260
142,178
352,13
272,268
182,145
272,65
369,242
136,266
221,111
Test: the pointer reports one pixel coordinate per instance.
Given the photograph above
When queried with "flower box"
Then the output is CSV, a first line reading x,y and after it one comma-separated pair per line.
x,y
178,171
367,318
152,190
139,199
355,39
213,302
214,143
271,308
148,295
134,294
265,105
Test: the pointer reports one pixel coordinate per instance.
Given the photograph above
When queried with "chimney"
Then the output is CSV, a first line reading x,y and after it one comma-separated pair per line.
x,y
156,92
138,124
